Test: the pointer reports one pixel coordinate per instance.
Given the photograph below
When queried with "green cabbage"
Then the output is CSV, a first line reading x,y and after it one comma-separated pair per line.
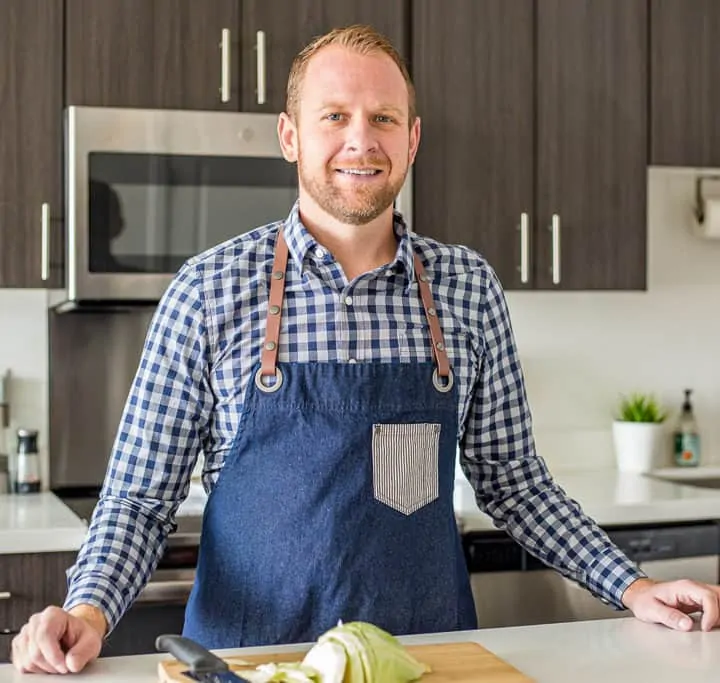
x,y
356,652
372,656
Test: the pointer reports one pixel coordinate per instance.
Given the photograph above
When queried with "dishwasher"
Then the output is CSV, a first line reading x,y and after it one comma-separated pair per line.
x,y
513,588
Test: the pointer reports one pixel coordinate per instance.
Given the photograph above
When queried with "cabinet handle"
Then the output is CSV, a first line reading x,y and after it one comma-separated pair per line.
x,y
555,229
225,65
45,245
260,47
5,595
524,248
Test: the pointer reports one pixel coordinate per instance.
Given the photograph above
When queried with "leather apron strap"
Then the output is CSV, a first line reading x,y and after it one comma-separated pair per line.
x,y
268,361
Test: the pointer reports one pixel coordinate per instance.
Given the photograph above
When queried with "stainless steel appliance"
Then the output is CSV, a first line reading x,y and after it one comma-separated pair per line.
x,y
147,189
512,588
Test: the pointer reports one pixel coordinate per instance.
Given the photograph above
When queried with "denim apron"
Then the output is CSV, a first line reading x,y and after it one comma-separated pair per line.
x,y
335,501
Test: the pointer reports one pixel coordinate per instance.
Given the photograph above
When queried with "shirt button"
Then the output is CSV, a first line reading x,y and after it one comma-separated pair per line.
x,y
348,301
389,273
351,360
319,252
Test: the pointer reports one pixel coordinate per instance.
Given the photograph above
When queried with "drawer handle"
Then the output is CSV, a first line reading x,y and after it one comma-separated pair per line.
x,y
5,595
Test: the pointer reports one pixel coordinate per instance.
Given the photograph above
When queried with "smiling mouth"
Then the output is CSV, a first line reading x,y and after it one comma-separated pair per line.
x,y
360,172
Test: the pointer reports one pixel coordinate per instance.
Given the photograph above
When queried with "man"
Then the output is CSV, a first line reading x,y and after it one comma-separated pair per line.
x,y
327,366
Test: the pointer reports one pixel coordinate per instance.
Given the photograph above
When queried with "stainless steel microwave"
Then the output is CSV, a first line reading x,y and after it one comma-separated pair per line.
x,y
147,189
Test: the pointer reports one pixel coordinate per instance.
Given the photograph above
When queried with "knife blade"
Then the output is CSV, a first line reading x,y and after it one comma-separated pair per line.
x,y
204,665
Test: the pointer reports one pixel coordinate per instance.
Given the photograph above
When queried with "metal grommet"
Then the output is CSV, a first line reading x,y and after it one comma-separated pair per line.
x,y
440,346
271,388
278,275
274,310
425,277
443,388
432,312
270,346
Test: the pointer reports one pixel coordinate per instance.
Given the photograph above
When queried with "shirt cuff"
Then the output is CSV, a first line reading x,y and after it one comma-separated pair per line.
x,y
100,593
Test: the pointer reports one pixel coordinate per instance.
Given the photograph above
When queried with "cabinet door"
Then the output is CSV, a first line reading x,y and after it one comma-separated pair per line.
x,y
288,26
685,68
592,143
472,64
30,139
150,53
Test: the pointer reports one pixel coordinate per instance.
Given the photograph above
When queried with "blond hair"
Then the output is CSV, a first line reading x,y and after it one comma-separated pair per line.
x,y
359,38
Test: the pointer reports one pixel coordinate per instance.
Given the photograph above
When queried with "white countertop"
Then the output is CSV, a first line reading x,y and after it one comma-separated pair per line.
x,y
38,522
618,650
42,523
611,497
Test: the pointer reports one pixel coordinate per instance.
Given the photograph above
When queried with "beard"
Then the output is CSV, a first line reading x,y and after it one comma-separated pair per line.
x,y
352,206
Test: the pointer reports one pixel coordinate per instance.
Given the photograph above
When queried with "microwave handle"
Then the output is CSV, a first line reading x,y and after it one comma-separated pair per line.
x,y
225,65
45,242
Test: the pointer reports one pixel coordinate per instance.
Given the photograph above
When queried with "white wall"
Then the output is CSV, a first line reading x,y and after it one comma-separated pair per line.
x,y
24,350
581,350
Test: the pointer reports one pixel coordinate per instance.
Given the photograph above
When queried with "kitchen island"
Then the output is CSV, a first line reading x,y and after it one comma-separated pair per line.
x,y
617,650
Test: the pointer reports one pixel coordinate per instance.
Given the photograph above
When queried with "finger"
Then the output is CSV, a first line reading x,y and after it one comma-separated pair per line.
x,y
86,648
671,617
711,610
26,658
49,629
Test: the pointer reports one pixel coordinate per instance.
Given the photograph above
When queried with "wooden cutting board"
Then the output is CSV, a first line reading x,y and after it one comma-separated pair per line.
x,y
456,662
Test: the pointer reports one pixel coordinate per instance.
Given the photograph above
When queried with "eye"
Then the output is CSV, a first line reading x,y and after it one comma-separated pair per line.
x,y
383,118
335,116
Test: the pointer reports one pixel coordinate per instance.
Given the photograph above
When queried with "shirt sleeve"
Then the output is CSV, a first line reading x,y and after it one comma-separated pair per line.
x,y
512,482
163,425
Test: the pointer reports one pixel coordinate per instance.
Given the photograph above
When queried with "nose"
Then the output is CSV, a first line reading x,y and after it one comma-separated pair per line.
x,y
361,136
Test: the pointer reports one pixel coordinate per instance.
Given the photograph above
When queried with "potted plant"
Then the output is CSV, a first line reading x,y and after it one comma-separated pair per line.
x,y
639,433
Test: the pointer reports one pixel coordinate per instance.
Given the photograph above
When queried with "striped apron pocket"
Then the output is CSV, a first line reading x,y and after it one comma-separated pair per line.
x,y
405,465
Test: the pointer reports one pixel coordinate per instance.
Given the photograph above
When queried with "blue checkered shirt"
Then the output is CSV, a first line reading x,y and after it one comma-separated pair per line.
x,y
206,338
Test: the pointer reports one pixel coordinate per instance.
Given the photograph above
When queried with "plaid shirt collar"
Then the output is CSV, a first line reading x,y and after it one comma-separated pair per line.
x,y
301,244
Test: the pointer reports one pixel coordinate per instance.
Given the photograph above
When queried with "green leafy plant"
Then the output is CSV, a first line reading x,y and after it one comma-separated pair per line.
x,y
640,408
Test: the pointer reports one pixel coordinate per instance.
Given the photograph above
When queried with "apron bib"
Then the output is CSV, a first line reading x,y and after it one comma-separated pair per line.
x,y
335,501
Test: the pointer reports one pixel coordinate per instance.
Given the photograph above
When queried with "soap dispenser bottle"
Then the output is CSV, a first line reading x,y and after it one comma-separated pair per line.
x,y
687,438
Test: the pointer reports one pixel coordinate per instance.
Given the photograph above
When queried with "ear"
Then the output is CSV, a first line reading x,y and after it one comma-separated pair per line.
x,y
414,139
287,134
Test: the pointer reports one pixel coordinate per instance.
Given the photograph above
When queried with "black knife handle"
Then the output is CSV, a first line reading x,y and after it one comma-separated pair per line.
x,y
191,653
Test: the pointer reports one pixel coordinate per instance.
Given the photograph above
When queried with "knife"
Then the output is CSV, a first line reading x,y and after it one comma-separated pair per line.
x,y
204,665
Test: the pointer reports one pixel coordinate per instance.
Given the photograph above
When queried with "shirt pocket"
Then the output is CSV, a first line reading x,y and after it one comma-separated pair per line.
x,y
405,465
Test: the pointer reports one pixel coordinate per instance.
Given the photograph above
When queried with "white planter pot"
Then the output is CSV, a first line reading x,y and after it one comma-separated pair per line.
x,y
639,446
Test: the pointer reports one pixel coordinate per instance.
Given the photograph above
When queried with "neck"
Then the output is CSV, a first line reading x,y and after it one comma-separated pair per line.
x,y
357,248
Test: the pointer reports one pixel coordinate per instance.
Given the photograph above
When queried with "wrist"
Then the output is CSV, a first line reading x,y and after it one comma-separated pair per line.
x,y
638,586
92,615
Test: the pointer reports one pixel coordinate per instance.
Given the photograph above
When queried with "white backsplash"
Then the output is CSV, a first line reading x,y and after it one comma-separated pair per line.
x,y
24,351
579,350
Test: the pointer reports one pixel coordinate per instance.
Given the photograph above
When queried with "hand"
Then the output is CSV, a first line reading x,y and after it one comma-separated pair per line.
x,y
56,641
670,602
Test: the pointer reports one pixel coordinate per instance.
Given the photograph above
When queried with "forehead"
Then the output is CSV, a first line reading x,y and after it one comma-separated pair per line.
x,y
338,74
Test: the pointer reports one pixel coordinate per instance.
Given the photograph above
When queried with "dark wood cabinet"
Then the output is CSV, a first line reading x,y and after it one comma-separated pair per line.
x,y
591,144
685,68
286,27
534,109
472,64
163,54
30,141
170,54
28,584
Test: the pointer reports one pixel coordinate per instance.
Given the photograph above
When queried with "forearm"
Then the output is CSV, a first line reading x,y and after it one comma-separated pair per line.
x,y
550,525
122,549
